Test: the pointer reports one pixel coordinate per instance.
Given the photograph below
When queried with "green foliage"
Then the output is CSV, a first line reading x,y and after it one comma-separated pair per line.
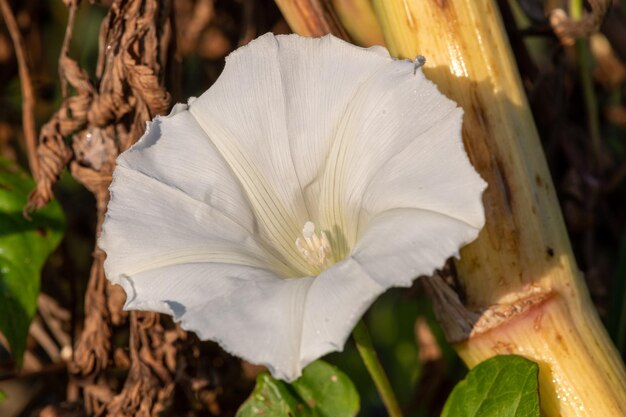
x,y
321,391
503,386
391,322
3,396
24,247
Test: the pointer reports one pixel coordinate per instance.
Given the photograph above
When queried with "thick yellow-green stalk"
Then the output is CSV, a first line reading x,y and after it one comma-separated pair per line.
x,y
523,292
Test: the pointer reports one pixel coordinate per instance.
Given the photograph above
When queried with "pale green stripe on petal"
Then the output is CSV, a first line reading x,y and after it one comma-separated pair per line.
x,y
276,221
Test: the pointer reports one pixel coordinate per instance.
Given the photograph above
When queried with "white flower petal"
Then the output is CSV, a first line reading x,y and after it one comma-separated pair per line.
x,y
250,312
401,244
244,115
177,152
431,169
282,324
320,76
335,302
273,113
173,201
391,118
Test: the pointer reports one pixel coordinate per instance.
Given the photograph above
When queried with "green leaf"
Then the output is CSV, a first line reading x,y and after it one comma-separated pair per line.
x,y
322,391
3,396
24,247
503,386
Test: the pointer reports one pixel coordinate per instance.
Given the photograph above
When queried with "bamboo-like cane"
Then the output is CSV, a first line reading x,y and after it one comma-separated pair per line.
x,y
523,291
358,17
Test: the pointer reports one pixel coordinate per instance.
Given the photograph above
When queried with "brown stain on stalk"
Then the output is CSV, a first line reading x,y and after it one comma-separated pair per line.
x,y
479,137
561,343
501,234
504,186
504,348
480,130
481,102
480,141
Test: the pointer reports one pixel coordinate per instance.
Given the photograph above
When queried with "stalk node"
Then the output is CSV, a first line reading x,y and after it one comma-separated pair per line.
x,y
461,323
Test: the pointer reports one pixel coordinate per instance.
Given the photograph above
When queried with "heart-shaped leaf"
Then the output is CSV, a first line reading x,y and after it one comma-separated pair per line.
x,y
24,247
322,391
503,386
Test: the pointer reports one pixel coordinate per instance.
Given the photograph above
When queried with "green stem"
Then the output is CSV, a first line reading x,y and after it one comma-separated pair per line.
x,y
375,369
586,78
617,318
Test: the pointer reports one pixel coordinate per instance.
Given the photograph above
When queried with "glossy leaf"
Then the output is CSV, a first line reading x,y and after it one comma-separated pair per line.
x,y
24,247
321,391
503,386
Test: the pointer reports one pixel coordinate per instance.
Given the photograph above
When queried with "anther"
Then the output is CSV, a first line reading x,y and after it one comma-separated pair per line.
x,y
315,248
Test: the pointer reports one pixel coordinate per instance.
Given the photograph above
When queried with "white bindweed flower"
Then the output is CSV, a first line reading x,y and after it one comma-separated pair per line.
x,y
270,212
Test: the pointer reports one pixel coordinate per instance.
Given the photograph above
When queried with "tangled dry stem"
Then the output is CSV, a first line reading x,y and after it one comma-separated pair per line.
x,y
101,120
131,92
150,382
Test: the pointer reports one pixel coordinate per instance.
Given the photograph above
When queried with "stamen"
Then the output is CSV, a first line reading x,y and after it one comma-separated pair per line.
x,y
315,248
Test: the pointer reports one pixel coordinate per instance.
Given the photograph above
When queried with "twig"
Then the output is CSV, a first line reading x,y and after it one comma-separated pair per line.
x,y
28,97
45,341
69,30
54,315
370,359
586,79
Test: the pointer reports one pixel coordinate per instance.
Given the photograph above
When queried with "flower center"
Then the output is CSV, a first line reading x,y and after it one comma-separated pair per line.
x,y
315,247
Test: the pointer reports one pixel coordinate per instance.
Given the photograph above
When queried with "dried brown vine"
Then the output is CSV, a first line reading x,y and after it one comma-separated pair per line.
x,y
103,119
